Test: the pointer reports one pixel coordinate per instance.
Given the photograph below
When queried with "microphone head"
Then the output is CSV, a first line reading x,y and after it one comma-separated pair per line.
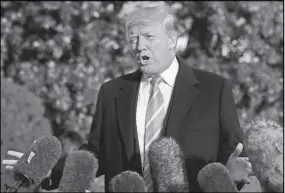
x,y
215,177
79,172
127,181
35,164
167,166
263,144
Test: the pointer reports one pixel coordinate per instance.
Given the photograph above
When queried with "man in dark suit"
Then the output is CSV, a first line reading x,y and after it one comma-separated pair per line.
x,y
194,107
199,110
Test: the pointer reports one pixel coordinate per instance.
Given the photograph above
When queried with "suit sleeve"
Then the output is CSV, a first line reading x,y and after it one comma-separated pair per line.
x,y
230,131
95,137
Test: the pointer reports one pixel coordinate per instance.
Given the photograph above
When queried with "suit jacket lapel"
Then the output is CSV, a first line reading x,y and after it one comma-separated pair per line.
x,y
126,111
184,94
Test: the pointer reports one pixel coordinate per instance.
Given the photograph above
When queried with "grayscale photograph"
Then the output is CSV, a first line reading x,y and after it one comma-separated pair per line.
x,y
142,96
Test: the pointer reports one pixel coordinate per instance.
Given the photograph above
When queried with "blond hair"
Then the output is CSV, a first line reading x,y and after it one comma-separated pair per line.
x,y
158,10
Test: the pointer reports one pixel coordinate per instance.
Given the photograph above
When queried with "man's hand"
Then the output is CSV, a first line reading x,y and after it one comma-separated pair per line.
x,y
253,186
12,162
239,167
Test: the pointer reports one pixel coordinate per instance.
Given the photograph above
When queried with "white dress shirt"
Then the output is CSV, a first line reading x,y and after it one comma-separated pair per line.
x,y
166,87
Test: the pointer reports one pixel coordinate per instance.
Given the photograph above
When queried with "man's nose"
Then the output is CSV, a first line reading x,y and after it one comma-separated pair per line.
x,y
141,45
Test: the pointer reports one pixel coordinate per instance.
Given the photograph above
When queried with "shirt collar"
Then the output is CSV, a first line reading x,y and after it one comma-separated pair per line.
x,y
169,75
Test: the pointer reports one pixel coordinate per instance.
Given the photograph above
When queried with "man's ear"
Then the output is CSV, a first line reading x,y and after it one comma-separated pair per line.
x,y
172,41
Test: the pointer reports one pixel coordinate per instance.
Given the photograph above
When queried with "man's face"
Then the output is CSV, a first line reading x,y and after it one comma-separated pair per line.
x,y
150,46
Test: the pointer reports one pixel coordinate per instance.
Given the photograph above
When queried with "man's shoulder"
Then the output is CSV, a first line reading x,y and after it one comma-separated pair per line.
x,y
207,76
203,76
115,82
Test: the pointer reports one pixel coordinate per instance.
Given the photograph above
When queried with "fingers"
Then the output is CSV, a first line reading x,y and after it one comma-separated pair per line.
x,y
9,167
237,151
246,180
15,153
249,165
246,161
248,171
9,162
251,173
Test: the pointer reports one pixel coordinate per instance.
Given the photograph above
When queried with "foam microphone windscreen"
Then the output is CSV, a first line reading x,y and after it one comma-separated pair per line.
x,y
79,172
263,144
167,166
215,177
38,160
127,181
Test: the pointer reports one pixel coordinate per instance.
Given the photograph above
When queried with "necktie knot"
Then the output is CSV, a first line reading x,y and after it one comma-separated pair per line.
x,y
155,81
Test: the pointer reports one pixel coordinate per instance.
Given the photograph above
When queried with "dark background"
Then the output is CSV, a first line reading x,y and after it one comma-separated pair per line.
x,y
56,55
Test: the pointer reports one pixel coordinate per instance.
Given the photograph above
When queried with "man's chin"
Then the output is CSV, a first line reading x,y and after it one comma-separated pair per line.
x,y
147,70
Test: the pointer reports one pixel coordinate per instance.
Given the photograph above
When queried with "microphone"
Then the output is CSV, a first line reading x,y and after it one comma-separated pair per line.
x,y
79,172
127,181
167,166
215,177
35,164
264,146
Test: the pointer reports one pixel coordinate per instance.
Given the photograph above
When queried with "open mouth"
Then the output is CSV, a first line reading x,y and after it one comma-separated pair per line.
x,y
144,60
145,57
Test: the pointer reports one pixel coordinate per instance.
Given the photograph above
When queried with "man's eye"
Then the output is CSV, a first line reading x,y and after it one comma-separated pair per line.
x,y
150,36
133,40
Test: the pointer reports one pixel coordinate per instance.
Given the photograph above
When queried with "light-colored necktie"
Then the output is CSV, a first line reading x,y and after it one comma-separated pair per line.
x,y
153,125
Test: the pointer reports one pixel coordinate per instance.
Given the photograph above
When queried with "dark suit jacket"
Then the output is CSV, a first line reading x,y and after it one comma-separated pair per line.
x,y
202,118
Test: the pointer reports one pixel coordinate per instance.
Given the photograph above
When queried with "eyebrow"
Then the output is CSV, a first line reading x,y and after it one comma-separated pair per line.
x,y
148,33
142,33
132,35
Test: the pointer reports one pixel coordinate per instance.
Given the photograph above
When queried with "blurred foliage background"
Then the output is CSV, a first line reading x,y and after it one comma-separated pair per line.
x,y
63,51
22,122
